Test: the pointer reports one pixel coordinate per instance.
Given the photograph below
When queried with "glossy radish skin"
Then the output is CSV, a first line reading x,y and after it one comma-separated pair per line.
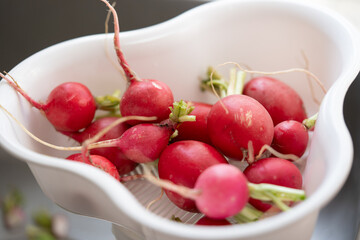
x,y
276,171
290,137
122,163
206,221
97,161
282,102
147,98
196,130
224,191
69,107
237,119
144,142
182,162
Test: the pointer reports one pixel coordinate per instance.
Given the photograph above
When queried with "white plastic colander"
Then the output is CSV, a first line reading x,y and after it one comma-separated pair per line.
x,y
265,35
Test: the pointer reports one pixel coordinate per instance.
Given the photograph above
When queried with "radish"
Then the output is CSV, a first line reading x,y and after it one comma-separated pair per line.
x,y
275,171
222,191
122,163
196,130
69,106
140,143
144,142
182,162
290,137
206,221
239,124
280,100
97,161
143,97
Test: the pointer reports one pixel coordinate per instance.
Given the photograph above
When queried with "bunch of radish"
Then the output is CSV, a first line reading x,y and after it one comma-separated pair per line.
x,y
195,143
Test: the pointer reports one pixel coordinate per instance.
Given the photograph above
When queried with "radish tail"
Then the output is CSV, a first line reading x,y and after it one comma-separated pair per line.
x,y
131,76
23,93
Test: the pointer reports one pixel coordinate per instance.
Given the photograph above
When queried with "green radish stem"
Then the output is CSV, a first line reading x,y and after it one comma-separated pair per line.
x,y
180,112
310,122
109,102
248,214
216,83
236,82
276,194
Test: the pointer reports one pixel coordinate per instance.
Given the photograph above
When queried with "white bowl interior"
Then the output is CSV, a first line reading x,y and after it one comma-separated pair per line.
x,y
264,35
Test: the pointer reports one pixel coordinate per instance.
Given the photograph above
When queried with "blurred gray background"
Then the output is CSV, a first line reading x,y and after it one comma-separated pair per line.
x,y
28,26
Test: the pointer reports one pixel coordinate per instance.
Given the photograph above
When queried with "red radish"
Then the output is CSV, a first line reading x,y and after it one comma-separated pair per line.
x,y
280,100
196,130
122,163
69,106
97,161
182,162
222,191
141,143
144,142
144,97
236,122
290,137
275,171
219,184
206,221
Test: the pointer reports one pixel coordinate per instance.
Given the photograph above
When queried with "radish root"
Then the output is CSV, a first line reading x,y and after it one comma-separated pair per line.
x,y
15,85
91,144
276,153
251,157
181,190
36,138
130,74
155,200
106,45
317,101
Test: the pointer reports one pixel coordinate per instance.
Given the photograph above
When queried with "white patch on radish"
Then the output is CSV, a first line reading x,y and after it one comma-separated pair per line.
x,y
156,85
248,117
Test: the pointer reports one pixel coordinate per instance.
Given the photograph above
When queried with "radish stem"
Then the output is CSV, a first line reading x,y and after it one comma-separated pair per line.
x,y
310,122
260,191
248,214
109,102
180,112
